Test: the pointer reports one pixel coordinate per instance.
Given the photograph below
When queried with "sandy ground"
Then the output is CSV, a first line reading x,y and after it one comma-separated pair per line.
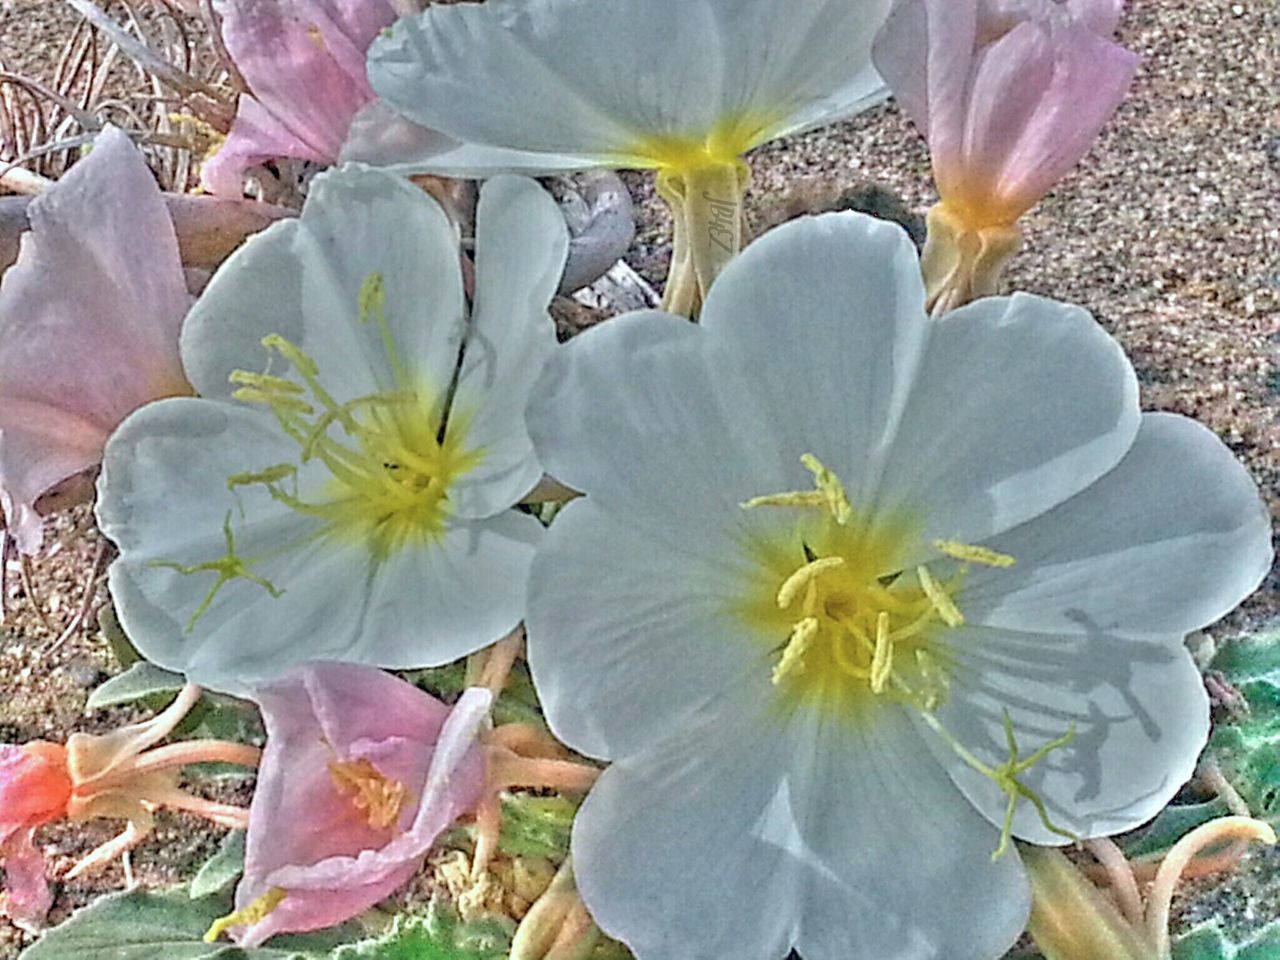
x,y
1169,233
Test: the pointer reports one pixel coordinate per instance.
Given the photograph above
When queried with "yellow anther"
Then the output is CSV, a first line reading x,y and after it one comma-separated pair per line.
x,y
301,361
255,912
832,490
264,381
829,494
799,498
940,599
379,798
279,404
882,660
806,575
970,553
792,662
229,567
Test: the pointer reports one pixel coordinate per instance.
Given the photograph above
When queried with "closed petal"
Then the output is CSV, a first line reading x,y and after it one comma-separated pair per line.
x,y
27,897
303,279
40,445
521,244
79,352
837,825
1138,710
968,463
1166,543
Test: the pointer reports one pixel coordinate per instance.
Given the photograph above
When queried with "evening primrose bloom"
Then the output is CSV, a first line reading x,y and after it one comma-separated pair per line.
x,y
89,320
304,63
342,489
361,772
848,612
1010,95
683,87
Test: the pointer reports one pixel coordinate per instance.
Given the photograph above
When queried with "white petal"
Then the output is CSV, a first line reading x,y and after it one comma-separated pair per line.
x,y
429,605
521,245
653,644
1018,404
637,415
302,279
1140,712
825,316
595,79
749,831
163,498
1167,542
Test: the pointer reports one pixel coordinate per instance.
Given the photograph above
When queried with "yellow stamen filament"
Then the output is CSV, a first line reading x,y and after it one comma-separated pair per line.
x,y
254,913
380,799
969,553
940,599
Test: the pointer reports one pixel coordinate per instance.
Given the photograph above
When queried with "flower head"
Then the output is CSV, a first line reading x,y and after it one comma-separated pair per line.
x,y
89,320
362,771
343,487
1010,95
117,775
34,790
684,87
849,611
304,63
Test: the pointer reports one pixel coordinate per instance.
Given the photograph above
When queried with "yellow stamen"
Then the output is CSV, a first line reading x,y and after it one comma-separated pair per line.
x,y
791,588
254,913
882,660
940,599
970,553
832,490
792,661
377,797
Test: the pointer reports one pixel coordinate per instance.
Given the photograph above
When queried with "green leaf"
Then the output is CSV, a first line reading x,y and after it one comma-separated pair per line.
x,y
535,826
1171,825
1247,746
440,935
1208,941
109,623
518,703
140,681
139,925
220,870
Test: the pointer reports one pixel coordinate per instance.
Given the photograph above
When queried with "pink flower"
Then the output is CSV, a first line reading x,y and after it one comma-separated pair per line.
x,y
304,63
34,790
1009,93
361,772
89,321
116,774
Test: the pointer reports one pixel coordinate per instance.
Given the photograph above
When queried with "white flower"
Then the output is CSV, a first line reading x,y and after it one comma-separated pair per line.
x,y
685,87
342,488
828,551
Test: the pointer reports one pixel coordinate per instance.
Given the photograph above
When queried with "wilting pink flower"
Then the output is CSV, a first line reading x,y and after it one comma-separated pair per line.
x,y
89,321
115,774
34,790
361,772
303,61
1009,93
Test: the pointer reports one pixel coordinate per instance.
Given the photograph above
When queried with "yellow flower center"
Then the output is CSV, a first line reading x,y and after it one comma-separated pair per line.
x,y
393,455
379,798
861,629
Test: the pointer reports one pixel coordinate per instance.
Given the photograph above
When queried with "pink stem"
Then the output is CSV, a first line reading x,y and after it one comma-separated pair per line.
x,y
1120,873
